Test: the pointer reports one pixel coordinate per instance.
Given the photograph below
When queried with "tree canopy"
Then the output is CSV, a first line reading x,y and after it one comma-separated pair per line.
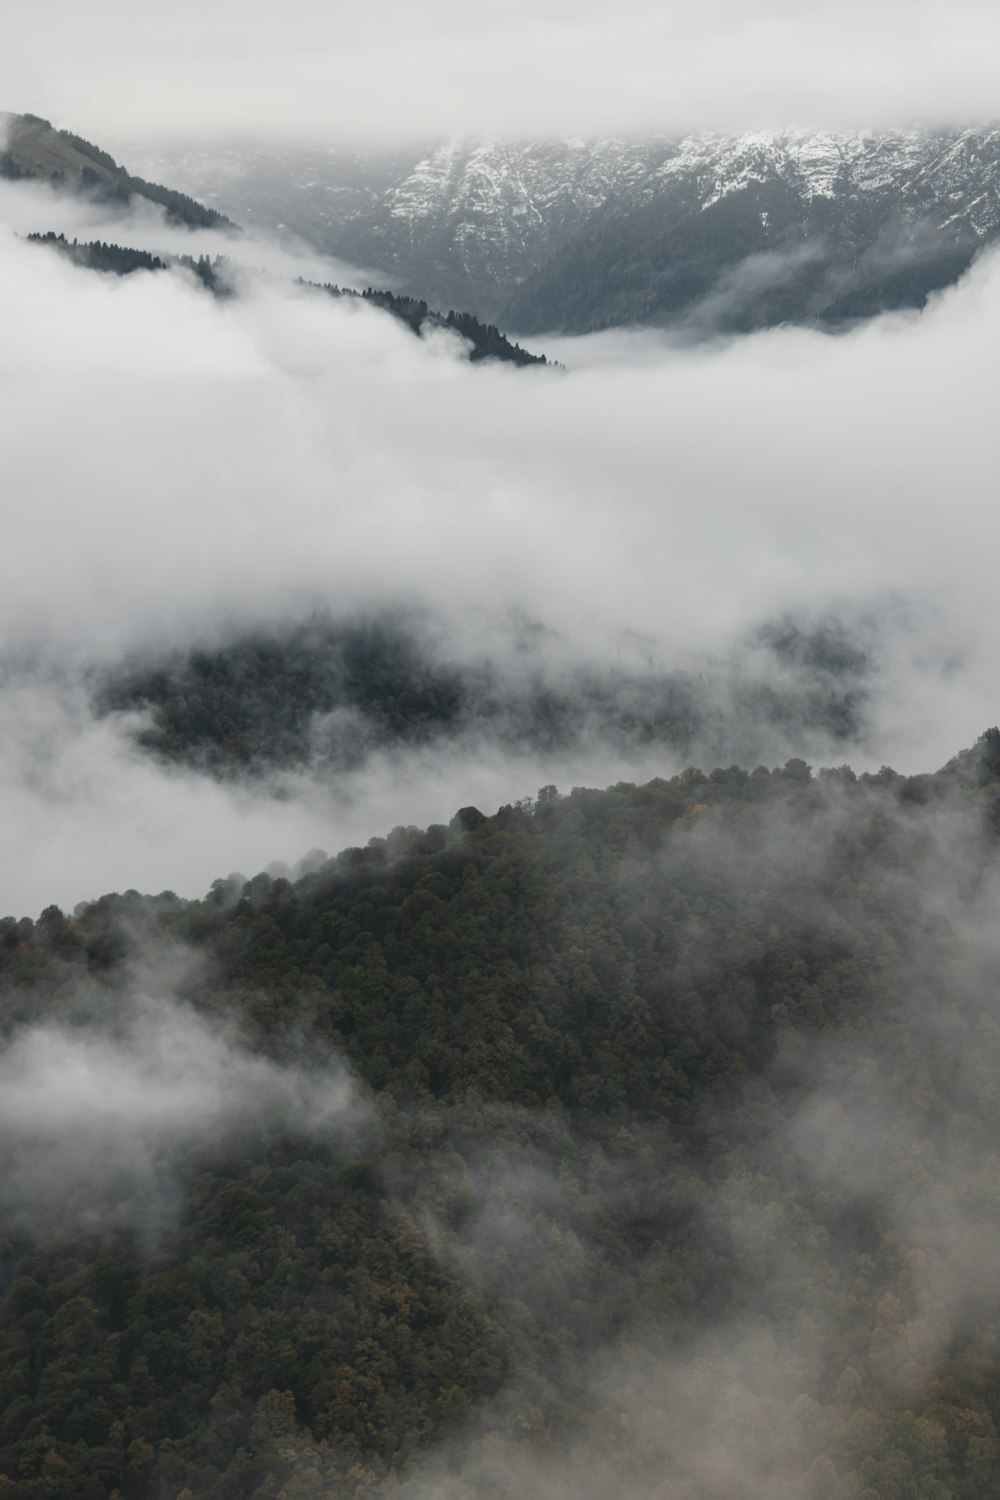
x,y
670,1168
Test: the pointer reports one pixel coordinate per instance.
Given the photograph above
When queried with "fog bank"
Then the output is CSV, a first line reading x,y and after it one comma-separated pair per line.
x,y
182,470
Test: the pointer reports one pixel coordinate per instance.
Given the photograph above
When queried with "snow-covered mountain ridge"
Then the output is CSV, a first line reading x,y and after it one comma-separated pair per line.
x,y
580,233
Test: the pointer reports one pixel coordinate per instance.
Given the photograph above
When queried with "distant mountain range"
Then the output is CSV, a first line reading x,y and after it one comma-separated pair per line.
x,y
711,233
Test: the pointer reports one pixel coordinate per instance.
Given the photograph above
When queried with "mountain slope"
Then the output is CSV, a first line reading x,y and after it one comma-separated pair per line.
x,y
715,231
33,148
742,232
622,1143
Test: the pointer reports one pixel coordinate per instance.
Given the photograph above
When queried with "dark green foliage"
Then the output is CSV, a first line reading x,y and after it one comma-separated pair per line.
x,y
588,1026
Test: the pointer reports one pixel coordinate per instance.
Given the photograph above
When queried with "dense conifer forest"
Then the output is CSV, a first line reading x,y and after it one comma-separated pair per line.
x,y
637,1141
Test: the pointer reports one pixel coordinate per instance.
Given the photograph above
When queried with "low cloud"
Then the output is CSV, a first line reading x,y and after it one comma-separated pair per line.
x,y
103,1099
181,471
34,207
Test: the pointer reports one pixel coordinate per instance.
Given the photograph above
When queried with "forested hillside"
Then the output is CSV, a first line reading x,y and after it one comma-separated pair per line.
x,y
484,341
32,148
635,1142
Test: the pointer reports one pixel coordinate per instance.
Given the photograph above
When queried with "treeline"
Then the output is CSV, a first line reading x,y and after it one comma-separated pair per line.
x,y
676,1175
123,260
180,209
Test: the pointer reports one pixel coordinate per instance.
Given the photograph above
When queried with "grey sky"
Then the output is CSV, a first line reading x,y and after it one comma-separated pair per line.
x,y
397,69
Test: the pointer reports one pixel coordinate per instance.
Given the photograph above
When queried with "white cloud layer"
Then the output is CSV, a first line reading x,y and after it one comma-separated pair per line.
x,y
176,468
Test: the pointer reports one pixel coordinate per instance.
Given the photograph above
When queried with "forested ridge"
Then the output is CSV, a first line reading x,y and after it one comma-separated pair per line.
x,y
668,1169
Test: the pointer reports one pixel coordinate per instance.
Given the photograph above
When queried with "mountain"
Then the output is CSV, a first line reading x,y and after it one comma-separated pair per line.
x,y
638,1141
741,232
713,231
34,149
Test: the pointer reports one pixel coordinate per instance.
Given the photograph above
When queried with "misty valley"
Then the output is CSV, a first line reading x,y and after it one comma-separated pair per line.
x,y
498,927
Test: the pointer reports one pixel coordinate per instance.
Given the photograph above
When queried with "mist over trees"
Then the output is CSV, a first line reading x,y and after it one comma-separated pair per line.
x,y
664,1168
637,1141
330,691
35,151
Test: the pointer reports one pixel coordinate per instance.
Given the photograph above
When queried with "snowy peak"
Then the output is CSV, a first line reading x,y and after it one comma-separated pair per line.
x,y
576,234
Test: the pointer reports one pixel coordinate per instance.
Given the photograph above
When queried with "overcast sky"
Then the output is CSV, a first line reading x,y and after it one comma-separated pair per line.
x,y
399,69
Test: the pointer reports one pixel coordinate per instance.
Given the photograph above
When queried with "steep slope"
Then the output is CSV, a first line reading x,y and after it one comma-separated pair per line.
x,y
33,148
747,231
482,217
